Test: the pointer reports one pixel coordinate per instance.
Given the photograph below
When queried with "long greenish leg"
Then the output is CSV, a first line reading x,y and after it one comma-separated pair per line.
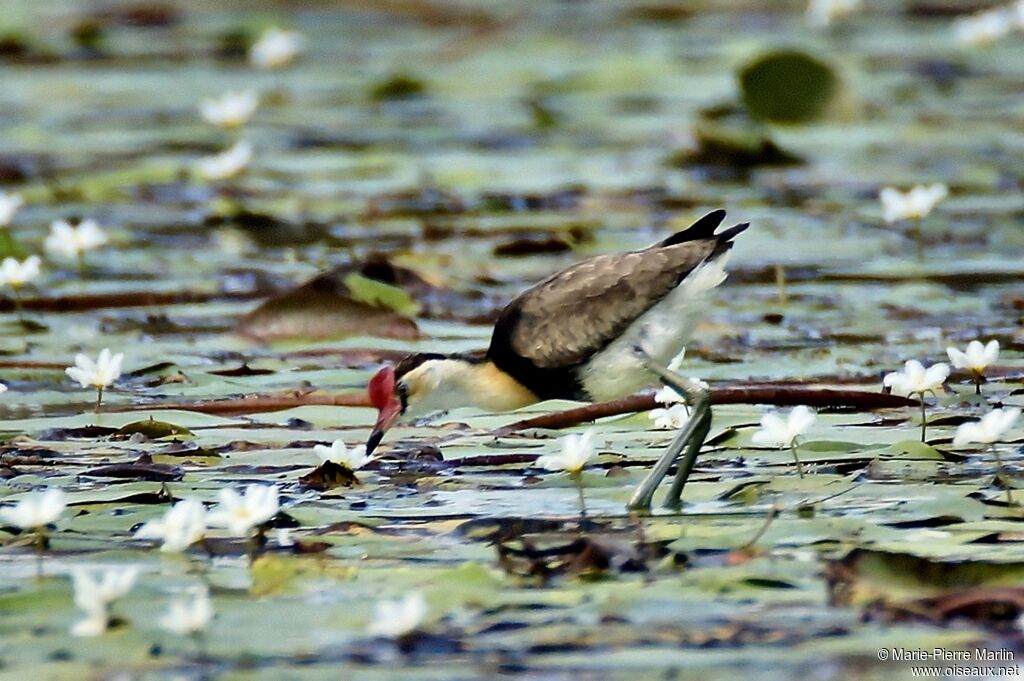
x,y
690,437
696,441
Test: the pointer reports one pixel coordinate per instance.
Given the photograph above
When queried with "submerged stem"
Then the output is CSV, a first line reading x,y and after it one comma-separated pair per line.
x,y
18,308
1002,474
780,283
773,513
40,550
924,417
578,479
99,398
796,458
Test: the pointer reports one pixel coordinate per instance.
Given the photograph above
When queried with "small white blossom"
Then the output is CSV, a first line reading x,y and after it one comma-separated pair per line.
x,y
821,13
914,378
15,273
230,110
241,513
989,430
352,459
99,374
34,510
983,28
777,431
226,165
9,205
667,395
577,451
95,592
283,536
670,418
189,616
395,619
181,526
68,241
276,48
94,623
976,357
916,204
3,387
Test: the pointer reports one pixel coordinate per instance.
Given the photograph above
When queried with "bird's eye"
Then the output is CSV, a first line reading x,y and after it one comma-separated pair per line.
x,y
403,395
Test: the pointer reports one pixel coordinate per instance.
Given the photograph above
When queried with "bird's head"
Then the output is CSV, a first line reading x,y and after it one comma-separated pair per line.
x,y
401,389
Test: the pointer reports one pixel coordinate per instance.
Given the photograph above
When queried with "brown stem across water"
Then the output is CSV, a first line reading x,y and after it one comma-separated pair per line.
x,y
753,394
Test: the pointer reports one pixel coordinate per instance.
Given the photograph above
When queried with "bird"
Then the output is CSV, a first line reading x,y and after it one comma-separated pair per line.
x,y
573,335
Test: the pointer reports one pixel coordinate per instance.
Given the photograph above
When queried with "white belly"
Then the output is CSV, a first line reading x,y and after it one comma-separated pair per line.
x,y
662,332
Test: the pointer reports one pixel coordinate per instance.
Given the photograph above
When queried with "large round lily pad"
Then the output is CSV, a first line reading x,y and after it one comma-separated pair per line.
x,y
788,86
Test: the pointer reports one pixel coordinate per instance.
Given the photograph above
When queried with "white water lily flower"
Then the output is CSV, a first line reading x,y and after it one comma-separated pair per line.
x,y
777,431
35,510
189,616
9,205
276,48
283,536
577,451
227,164
667,395
94,623
231,109
99,374
68,241
976,357
181,526
240,513
916,204
395,619
821,13
670,418
351,458
989,430
983,28
15,273
3,387
95,592
914,378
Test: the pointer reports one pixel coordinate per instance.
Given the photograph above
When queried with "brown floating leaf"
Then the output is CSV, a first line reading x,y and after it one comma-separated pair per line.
x,y
328,475
994,607
142,468
544,557
738,148
870,577
364,299
151,429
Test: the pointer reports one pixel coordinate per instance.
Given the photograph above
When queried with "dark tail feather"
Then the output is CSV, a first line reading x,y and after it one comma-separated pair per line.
x,y
702,229
725,239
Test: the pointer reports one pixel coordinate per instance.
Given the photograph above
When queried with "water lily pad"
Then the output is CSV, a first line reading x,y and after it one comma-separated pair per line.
x,y
787,86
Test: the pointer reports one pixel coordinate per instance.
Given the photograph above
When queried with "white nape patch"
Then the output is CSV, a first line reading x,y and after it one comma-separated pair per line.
x,y
661,331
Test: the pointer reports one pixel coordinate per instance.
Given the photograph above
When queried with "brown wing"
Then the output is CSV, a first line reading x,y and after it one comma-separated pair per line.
x,y
569,316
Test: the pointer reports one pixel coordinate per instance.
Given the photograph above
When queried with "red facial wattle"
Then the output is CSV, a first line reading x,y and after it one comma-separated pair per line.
x,y
381,391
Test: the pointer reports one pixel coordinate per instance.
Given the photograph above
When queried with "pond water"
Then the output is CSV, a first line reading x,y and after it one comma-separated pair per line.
x,y
482,146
